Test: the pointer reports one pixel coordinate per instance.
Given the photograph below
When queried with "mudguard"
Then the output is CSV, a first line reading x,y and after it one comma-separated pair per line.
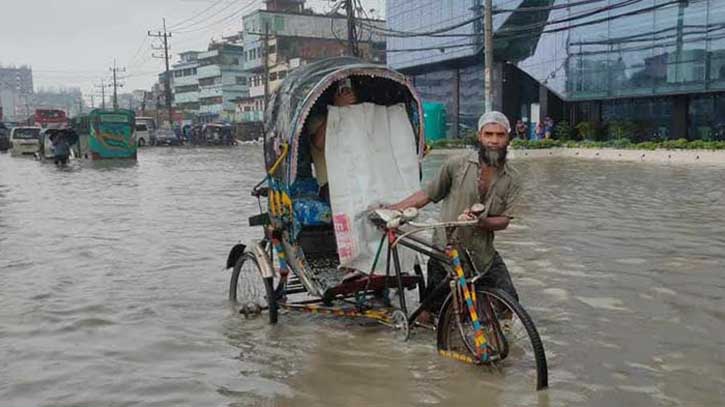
x,y
234,254
263,260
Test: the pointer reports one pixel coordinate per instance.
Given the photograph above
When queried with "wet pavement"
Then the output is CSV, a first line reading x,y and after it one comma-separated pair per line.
x,y
113,292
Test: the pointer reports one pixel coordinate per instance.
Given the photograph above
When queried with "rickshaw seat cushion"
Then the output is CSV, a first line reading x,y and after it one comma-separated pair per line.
x,y
309,209
304,188
312,212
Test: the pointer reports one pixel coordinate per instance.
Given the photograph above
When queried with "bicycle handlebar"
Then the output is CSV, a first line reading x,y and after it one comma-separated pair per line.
x,y
394,219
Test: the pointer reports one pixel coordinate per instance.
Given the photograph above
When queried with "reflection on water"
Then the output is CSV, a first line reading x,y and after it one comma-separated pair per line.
x,y
113,292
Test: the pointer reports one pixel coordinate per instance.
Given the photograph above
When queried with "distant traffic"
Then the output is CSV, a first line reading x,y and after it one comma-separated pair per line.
x,y
103,134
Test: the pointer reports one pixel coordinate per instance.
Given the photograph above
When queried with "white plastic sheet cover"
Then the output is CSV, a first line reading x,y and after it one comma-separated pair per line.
x,y
371,159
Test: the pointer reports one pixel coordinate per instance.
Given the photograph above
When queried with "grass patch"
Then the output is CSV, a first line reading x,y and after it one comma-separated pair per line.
x,y
622,143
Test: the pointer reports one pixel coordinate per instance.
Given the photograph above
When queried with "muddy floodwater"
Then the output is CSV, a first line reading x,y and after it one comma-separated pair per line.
x,y
113,292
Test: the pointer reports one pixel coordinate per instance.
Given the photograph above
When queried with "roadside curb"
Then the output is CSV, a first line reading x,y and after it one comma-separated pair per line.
x,y
611,154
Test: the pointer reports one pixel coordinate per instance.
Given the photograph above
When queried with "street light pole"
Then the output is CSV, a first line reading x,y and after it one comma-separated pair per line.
x,y
488,54
265,47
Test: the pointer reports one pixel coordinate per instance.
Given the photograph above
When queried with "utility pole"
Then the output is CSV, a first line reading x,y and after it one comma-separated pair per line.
x,y
167,76
488,54
266,65
102,86
352,46
93,102
80,106
116,85
143,104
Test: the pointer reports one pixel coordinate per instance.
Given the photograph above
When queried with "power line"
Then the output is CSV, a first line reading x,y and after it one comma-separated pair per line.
x,y
439,32
593,22
651,35
207,18
579,16
431,48
397,33
511,34
222,20
139,51
546,8
195,15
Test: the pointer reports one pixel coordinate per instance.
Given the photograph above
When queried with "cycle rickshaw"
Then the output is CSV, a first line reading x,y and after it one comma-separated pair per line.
x,y
296,264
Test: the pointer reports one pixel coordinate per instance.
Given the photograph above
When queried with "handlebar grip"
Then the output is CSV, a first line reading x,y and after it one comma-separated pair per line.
x,y
410,213
477,209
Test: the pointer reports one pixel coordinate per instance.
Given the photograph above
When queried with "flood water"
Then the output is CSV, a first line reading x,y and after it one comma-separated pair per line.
x,y
113,292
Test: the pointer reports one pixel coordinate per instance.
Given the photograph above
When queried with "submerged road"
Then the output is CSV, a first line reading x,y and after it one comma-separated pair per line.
x,y
113,293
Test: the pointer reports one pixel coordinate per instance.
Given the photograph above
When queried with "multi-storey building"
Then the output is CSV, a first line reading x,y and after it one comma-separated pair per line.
x,y
657,64
16,92
222,81
185,83
294,36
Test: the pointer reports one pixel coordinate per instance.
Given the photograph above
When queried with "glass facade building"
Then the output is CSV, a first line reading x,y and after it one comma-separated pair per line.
x,y
656,62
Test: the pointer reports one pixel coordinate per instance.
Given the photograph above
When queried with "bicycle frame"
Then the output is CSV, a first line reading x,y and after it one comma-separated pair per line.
x,y
461,289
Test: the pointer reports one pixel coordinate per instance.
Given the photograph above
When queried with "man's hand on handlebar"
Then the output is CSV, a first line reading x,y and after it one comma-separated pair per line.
x,y
472,213
467,215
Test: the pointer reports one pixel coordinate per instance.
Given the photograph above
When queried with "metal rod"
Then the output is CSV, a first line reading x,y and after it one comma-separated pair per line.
x,y
428,253
398,275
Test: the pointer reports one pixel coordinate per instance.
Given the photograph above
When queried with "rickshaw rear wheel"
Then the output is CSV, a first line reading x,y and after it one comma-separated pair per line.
x,y
251,290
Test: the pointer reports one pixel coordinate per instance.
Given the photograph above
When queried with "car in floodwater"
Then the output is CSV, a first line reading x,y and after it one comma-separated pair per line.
x,y
144,135
25,140
166,137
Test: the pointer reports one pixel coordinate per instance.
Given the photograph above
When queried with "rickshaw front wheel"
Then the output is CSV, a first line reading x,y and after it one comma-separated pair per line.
x,y
509,331
250,290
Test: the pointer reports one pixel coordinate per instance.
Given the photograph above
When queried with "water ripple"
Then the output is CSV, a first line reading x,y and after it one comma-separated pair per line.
x,y
112,292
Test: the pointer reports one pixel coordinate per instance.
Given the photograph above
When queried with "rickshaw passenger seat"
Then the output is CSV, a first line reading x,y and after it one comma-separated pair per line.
x,y
304,188
309,209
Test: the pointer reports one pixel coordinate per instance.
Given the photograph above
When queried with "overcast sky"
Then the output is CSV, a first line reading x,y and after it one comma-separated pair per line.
x,y
73,43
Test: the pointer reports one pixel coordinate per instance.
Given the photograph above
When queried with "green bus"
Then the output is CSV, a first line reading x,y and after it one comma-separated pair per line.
x,y
112,134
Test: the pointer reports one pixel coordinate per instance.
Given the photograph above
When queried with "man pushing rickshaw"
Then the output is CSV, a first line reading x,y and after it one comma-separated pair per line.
x,y
325,251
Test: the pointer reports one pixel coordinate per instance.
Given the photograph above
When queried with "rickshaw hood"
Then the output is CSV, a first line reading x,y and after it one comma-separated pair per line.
x,y
290,105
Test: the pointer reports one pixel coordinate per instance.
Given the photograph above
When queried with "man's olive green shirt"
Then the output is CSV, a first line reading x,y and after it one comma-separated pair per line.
x,y
457,185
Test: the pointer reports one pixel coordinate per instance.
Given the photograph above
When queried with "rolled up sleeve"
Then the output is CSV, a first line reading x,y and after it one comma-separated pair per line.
x,y
438,187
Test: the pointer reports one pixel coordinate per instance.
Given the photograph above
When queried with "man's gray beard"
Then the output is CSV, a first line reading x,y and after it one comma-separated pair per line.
x,y
495,158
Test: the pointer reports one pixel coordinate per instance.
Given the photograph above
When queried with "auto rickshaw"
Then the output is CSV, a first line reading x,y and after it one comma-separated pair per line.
x,y
217,134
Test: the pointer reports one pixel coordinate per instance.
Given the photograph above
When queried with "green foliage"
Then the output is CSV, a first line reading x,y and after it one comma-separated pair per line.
x,y
563,131
622,143
646,145
535,144
464,142
705,133
518,144
620,129
679,144
586,130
